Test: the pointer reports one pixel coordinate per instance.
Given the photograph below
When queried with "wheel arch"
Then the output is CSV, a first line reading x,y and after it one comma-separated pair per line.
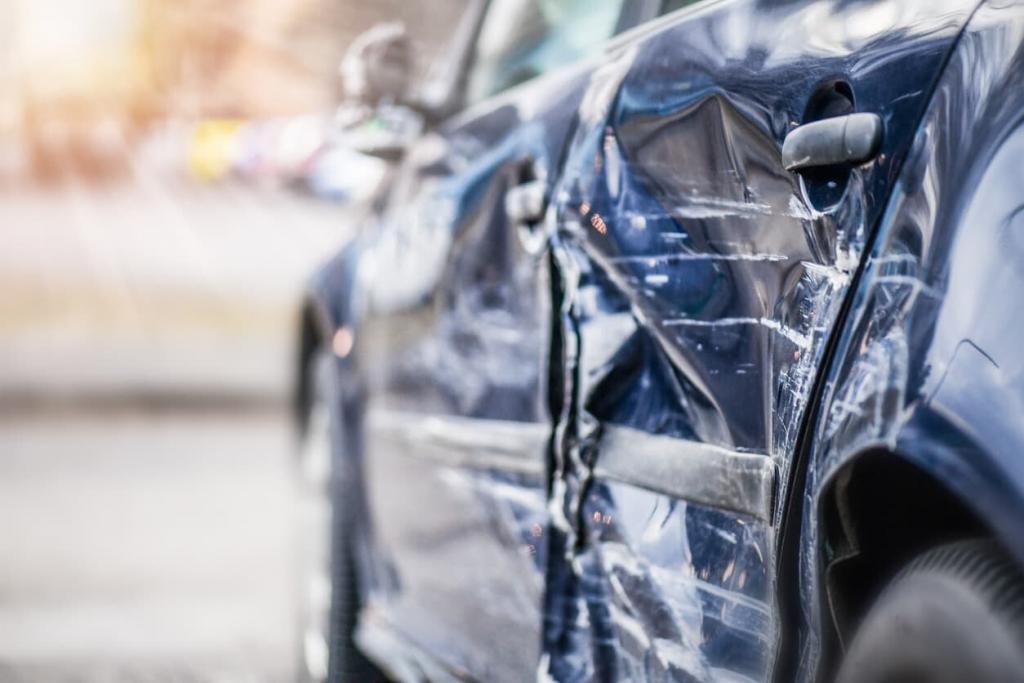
x,y
884,506
916,434
876,513
326,306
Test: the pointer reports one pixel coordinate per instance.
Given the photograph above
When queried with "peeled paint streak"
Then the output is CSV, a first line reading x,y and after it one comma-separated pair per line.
x,y
654,259
800,340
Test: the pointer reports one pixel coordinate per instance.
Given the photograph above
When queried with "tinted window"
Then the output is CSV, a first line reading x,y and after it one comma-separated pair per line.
x,y
521,39
672,5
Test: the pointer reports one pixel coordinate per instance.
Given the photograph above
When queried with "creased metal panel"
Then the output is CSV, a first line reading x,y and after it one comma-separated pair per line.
x,y
465,442
462,542
688,470
702,284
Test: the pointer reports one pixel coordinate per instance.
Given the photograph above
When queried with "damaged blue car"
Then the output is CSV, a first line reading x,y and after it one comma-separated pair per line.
x,y
681,344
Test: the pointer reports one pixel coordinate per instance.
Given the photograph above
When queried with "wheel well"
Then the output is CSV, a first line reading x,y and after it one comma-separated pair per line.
x,y
878,513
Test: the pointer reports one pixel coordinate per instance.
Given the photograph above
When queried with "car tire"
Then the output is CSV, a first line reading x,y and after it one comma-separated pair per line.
x,y
329,589
954,614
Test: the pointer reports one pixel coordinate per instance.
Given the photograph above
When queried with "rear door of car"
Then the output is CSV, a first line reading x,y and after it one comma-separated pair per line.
x,y
455,350
701,283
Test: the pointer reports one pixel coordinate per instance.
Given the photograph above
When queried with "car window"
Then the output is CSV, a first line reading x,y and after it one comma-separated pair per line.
x,y
522,39
672,5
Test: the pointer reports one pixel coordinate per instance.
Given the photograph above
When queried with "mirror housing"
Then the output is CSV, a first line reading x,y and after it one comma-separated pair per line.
x,y
378,116
377,68
384,132
383,111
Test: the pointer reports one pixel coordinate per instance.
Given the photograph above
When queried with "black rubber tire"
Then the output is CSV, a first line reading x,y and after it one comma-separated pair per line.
x,y
955,614
346,663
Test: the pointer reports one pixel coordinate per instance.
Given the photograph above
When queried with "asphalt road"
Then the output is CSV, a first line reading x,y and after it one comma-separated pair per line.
x,y
145,485
146,547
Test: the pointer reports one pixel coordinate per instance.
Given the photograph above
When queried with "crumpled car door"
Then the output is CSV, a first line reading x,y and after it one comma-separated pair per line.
x,y
455,350
701,282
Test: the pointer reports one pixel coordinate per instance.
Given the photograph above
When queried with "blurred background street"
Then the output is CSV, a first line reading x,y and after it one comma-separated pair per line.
x,y
145,546
154,287
145,493
167,185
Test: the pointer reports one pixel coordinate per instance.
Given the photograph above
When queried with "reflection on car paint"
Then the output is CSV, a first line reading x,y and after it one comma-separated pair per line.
x,y
695,288
930,369
701,288
458,348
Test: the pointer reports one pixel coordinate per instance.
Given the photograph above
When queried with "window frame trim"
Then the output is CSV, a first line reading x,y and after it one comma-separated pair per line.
x,y
623,24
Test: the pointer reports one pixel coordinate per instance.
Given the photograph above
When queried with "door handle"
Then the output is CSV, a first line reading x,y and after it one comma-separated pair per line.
x,y
525,203
850,139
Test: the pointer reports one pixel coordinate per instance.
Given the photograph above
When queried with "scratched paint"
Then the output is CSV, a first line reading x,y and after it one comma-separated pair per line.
x,y
928,371
690,290
703,283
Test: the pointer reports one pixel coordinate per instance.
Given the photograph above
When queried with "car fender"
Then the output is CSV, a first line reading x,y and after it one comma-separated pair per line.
x,y
928,366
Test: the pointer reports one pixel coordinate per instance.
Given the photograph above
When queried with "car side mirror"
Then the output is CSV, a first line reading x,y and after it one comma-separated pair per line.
x,y
378,117
377,68
384,132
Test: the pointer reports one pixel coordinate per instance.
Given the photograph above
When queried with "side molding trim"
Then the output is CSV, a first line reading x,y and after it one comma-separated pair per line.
x,y
505,445
689,470
700,473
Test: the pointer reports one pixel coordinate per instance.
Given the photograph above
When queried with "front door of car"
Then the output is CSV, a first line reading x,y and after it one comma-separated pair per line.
x,y
702,283
455,351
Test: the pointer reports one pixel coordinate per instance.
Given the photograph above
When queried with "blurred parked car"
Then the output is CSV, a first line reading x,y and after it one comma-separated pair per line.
x,y
338,173
681,345
253,158
213,146
297,145
75,133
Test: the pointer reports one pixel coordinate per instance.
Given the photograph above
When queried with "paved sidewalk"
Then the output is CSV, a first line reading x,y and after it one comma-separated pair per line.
x,y
146,547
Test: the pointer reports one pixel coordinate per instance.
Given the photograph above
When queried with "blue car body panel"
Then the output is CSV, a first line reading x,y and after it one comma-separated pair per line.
x,y
580,465
704,289
929,368
454,352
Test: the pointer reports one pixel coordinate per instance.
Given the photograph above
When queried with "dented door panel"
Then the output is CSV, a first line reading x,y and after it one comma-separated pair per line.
x,y
684,589
454,350
700,285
